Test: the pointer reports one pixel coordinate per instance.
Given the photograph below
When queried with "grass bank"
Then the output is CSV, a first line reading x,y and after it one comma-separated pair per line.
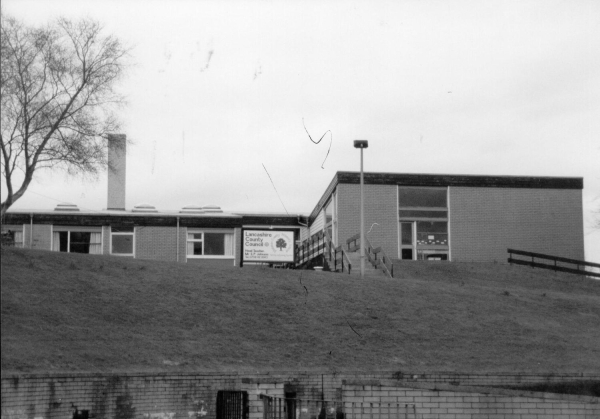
x,y
70,312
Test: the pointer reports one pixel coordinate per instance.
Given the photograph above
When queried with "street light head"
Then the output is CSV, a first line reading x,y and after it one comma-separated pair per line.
x,y
361,143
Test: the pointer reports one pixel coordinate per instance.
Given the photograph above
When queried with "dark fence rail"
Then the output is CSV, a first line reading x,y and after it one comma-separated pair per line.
x,y
579,267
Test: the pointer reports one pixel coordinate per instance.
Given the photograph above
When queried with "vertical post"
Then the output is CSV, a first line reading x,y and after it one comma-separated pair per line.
x,y
362,144
362,218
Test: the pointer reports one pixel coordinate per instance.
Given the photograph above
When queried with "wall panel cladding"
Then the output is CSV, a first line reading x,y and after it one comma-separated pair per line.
x,y
193,396
157,243
380,207
484,222
318,224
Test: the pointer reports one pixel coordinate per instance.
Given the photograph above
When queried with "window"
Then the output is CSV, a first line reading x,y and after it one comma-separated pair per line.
x,y
122,240
77,241
422,203
12,238
232,405
209,244
422,197
18,239
423,216
432,233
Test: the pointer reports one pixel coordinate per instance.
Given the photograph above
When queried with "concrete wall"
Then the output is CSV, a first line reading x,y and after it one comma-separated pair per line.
x,y
484,222
381,207
193,396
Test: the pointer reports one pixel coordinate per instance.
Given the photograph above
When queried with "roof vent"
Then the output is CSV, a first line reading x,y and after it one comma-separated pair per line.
x,y
212,208
192,209
66,206
143,207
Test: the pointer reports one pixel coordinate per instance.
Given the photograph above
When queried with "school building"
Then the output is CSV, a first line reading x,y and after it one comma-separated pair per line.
x,y
411,216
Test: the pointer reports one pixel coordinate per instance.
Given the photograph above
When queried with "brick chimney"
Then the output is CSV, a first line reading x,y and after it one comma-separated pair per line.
x,y
117,165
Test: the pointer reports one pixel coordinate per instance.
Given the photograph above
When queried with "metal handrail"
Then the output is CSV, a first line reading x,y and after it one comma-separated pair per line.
x,y
389,272
335,250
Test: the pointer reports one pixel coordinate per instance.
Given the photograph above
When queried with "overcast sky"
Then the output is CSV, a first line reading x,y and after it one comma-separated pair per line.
x,y
221,88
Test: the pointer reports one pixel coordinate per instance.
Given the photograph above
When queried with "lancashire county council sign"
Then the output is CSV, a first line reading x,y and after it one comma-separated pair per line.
x,y
268,246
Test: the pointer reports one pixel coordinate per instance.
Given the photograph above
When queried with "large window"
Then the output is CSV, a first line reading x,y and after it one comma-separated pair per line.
x,y
423,216
422,203
209,244
122,240
77,241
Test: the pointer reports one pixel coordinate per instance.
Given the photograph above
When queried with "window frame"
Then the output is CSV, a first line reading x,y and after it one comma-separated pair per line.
x,y
202,240
421,208
414,220
77,229
122,233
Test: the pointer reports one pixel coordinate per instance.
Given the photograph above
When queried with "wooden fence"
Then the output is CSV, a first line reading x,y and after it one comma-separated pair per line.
x,y
558,263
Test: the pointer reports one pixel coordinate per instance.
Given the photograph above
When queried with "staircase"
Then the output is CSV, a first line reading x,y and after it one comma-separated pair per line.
x,y
370,270
318,250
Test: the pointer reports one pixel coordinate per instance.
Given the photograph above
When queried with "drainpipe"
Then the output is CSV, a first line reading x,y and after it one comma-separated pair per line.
x,y
31,230
177,239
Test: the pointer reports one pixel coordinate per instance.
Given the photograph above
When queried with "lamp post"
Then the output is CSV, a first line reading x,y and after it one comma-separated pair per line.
x,y
362,144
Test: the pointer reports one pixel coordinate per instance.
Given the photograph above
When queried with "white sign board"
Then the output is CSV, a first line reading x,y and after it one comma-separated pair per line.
x,y
268,246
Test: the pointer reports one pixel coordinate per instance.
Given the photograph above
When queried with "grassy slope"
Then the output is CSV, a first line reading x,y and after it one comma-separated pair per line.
x,y
98,313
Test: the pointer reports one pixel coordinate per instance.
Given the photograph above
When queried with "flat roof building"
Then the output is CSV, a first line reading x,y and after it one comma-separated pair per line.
x,y
410,216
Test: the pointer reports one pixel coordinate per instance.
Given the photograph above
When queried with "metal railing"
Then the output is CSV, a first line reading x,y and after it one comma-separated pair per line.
x,y
310,248
338,258
320,244
379,259
574,266
284,408
376,256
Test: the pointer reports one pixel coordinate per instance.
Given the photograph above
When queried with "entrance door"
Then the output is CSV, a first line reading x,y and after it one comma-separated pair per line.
x,y
407,240
424,240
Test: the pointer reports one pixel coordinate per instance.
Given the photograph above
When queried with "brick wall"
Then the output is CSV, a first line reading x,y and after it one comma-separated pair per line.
x,y
435,401
41,238
117,171
193,396
380,207
106,240
484,222
156,243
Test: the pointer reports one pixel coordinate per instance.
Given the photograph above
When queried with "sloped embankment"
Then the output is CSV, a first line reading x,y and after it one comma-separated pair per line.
x,y
98,313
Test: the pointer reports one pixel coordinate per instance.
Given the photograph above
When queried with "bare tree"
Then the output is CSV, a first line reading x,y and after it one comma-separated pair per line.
x,y
58,99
